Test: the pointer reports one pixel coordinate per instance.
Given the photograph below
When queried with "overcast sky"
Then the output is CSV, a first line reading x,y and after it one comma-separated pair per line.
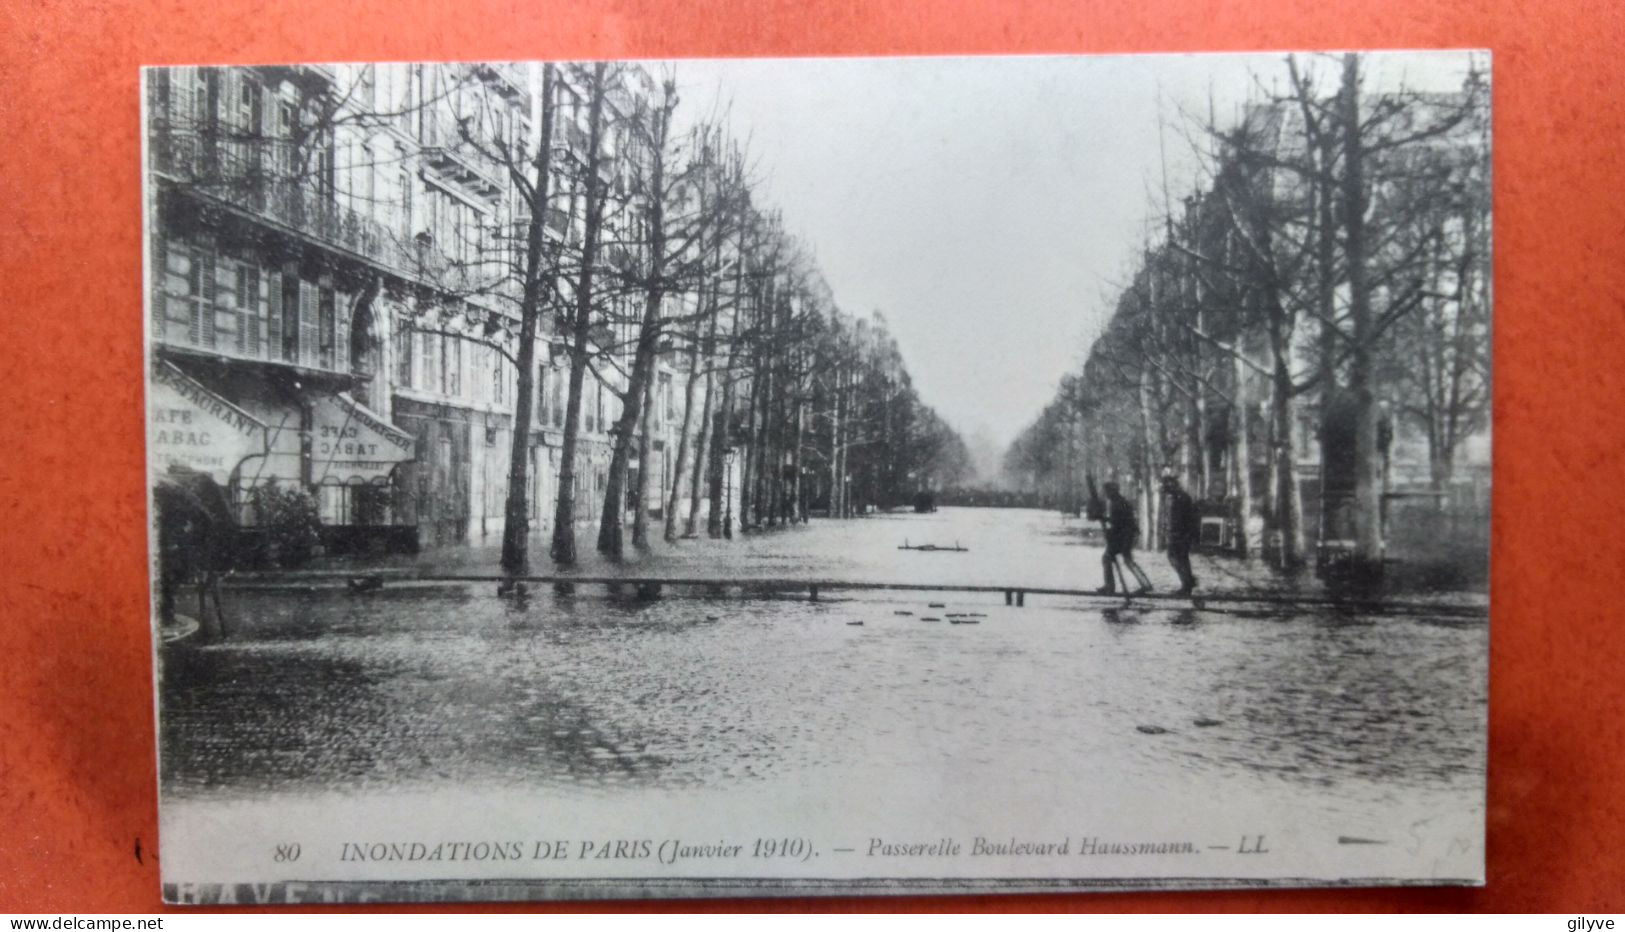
x,y
990,208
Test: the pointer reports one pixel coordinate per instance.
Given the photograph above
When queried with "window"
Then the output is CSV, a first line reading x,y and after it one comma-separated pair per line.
x,y
221,313
290,317
309,328
406,204
247,117
417,99
324,169
428,367
543,388
451,365
368,182
249,310
499,377
367,88
665,405
287,160
202,287
558,398
325,329
403,354
189,289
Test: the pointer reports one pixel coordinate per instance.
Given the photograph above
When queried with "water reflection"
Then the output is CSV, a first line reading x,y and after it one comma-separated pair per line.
x,y
324,691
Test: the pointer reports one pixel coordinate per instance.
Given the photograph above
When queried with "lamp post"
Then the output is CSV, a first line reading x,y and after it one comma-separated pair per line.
x,y
728,481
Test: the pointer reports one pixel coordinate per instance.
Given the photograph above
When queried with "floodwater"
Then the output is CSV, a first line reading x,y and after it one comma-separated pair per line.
x,y
1348,722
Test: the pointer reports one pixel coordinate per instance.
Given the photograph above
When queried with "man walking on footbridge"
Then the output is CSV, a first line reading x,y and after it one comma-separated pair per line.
x,y
1184,527
1122,530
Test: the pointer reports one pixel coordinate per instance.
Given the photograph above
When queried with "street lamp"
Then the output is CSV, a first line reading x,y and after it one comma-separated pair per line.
x,y
728,483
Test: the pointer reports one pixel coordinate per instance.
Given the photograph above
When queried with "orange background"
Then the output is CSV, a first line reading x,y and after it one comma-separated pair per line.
x,y
77,788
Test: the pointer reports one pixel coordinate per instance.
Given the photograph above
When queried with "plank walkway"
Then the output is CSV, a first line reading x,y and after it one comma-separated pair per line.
x,y
654,586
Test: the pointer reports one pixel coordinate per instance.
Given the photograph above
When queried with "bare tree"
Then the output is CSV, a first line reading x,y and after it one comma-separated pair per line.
x,y
578,318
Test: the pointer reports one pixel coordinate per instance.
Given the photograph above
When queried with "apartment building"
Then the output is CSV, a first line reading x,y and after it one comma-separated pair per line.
x,y
333,292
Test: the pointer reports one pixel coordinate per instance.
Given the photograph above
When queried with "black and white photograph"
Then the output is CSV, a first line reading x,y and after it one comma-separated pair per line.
x,y
739,477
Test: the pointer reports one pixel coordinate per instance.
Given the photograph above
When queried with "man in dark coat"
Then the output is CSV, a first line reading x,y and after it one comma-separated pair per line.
x,y
1122,529
1184,528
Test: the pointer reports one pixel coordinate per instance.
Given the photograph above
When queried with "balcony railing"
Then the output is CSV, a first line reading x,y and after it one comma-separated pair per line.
x,y
447,152
505,78
244,175
239,176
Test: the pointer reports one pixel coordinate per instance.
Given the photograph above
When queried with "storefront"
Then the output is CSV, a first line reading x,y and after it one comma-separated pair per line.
x,y
196,429
255,428
353,456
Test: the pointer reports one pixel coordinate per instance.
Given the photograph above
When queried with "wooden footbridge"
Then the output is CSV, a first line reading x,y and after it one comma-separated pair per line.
x,y
655,587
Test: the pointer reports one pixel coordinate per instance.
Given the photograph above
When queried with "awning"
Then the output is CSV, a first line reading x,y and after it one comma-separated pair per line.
x,y
352,445
192,427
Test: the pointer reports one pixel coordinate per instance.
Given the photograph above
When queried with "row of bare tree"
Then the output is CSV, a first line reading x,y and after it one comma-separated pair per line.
x,y
819,404
617,236
1331,266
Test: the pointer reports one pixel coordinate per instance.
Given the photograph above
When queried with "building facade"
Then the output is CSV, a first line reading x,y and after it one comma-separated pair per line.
x,y
333,294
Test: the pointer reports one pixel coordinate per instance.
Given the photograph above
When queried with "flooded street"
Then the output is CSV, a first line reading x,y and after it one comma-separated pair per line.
x,y
1326,724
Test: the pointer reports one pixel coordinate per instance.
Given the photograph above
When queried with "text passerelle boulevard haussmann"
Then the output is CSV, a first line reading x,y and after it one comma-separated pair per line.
x,y
1013,847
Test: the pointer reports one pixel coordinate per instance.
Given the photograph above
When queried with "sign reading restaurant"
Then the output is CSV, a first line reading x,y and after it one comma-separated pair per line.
x,y
193,427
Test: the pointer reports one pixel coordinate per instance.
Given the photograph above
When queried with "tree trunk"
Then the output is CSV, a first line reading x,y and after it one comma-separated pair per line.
x,y
798,501
1288,505
837,498
702,448
1368,548
702,350
682,446
610,524
564,538
640,512
719,523
516,510
1149,445
1242,459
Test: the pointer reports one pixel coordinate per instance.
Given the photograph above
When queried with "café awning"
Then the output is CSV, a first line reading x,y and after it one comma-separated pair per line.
x,y
353,445
194,428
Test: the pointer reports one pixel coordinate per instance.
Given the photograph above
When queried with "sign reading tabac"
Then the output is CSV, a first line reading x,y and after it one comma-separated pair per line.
x,y
193,427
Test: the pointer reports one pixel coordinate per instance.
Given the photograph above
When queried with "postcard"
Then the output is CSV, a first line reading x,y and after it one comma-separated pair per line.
x,y
820,476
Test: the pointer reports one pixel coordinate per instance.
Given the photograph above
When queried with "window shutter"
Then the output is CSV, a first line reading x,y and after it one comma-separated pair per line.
x,y
341,332
203,306
225,96
160,271
308,329
255,313
273,317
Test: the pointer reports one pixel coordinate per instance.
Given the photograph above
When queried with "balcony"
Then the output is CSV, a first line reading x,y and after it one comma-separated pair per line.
x,y
447,153
235,177
506,79
486,279
238,176
313,79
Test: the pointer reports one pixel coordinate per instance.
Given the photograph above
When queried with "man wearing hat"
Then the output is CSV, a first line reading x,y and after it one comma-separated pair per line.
x,y
1184,527
1122,528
